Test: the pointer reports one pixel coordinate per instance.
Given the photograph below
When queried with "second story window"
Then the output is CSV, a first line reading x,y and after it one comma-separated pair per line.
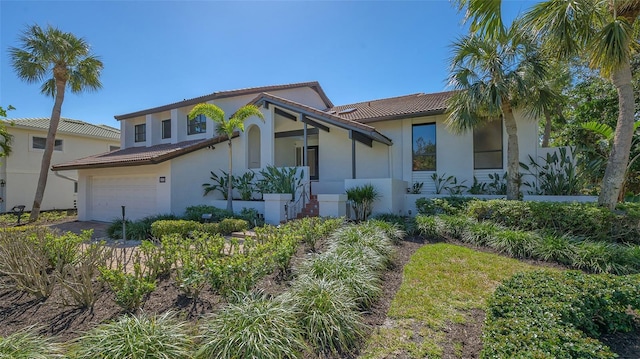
x,y
166,128
38,143
197,125
140,133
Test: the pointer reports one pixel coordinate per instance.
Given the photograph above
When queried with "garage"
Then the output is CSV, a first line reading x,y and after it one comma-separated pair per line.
x,y
108,194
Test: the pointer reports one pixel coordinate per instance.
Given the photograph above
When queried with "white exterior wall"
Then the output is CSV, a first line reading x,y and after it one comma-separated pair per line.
x,y
22,168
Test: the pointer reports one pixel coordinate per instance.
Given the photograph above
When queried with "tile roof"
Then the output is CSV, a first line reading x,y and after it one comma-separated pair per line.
x,y
67,125
223,94
324,116
419,104
136,156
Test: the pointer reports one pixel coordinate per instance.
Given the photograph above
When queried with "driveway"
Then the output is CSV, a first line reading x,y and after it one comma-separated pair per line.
x,y
99,228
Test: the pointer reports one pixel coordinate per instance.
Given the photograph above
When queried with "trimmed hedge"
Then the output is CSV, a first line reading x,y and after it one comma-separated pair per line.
x,y
185,228
447,205
585,220
558,314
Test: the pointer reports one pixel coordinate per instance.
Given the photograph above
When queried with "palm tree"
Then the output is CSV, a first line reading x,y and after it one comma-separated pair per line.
x,y
603,33
495,76
54,58
226,128
5,137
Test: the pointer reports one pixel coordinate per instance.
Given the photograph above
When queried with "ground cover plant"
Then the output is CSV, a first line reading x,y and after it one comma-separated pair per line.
x,y
558,314
46,217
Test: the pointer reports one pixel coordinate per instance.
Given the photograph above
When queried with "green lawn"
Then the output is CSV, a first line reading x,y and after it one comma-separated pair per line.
x,y
440,283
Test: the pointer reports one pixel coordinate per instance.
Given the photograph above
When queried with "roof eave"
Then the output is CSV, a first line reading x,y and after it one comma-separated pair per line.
x,y
403,116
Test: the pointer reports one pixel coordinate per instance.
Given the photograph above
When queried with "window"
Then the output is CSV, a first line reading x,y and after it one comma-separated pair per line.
x,y
166,128
197,125
424,147
140,132
487,146
38,143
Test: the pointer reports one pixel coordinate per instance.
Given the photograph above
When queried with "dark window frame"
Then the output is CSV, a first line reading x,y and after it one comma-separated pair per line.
x,y
501,150
166,135
197,125
140,133
428,154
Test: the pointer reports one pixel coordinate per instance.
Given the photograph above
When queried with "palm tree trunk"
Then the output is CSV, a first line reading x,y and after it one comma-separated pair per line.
x,y
513,155
619,156
48,149
229,184
547,128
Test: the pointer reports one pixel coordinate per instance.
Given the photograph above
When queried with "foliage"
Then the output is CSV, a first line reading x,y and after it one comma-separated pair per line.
x,y
498,184
220,184
280,180
557,175
245,185
136,337
184,228
327,314
77,278
478,187
136,230
26,344
254,327
403,223
558,314
129,288
194,213
584,220
446,205
416,187
441,182
362,199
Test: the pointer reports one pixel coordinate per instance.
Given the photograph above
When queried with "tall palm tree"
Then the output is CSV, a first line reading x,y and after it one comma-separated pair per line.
x,y
602,32
226,127
55,59
495,76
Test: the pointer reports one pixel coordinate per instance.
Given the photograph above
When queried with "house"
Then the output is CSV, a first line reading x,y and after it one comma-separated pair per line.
x,y
20,170
391,143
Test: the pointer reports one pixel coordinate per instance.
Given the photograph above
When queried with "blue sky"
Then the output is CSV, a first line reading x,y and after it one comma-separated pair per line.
x,y
158,52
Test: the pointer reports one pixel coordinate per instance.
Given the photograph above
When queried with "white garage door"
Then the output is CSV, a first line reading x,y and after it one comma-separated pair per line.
x,y
109,193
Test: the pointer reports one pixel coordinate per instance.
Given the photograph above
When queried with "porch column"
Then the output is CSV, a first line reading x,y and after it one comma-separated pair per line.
x,y
305,160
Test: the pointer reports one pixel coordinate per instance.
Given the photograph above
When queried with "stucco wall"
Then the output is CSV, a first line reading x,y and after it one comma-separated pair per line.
x,y
23,168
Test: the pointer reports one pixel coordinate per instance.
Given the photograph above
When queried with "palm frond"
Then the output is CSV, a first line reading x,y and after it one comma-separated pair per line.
x,y
611,46
485,16
598,128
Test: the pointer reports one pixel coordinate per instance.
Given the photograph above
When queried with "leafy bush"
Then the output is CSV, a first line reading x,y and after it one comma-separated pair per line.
x,y
194,213
392,231
230,225
136,230
405,223
136,337
447,205
557,314
518,244
77,279
280,180
26,344
180,227
557,174
129,288
220,183
61,249
362,199
366,234
327,314
252,327
576,219
244,185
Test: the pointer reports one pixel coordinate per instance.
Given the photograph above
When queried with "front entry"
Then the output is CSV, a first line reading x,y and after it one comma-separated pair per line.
x,y
312,160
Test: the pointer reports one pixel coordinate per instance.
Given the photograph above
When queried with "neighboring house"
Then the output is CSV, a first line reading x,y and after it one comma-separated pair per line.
x,y
391,143
19,171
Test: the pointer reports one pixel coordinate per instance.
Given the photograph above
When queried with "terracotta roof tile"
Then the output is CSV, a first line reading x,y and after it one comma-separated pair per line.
x,y
223,94
136,156
414,105
67,125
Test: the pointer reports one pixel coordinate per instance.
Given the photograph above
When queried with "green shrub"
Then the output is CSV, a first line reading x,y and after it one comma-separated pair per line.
x,y
447,205
557,314
129,289
602,257
136,337
427,226
136,230
253,327
62,249
365,234
361,199
194,213
551,247
585,220
230,225
328,316
518,244
26,344
77,279
452,226
392,231
181,227
479,233
405,223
